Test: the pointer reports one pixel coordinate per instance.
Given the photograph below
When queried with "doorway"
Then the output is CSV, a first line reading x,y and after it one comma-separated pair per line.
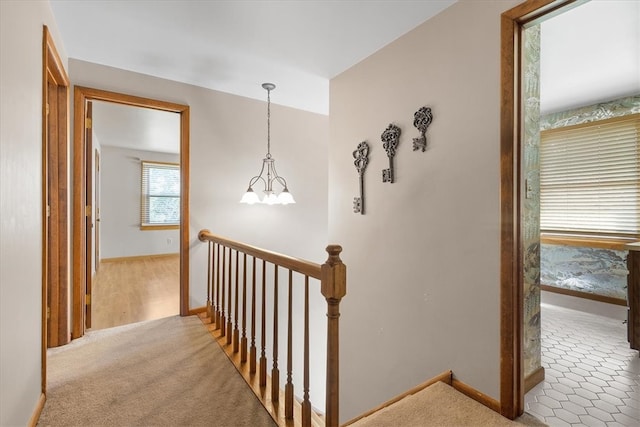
x,y
136,273
55,196
516,188
82,209
55,202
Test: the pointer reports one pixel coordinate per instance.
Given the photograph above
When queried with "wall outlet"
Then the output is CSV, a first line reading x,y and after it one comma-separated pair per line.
x,y
169,241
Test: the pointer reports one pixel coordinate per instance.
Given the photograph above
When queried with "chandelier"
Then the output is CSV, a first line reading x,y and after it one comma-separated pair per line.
x,y
268,169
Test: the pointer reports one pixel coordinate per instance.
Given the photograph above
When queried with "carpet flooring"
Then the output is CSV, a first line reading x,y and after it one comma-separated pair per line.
x,y
443,406
170,372
156,373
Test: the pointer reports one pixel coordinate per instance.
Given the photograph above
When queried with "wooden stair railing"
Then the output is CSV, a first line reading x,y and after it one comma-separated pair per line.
x,y
233,335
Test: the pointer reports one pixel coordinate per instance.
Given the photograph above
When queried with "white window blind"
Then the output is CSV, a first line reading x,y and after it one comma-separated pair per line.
x,y
160,201
590,178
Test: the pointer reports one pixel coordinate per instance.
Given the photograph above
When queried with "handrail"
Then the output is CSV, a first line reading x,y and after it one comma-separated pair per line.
x,y
332,278
301,266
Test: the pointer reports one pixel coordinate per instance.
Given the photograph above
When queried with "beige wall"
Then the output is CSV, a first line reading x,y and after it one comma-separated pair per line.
x,y
423,263
21,205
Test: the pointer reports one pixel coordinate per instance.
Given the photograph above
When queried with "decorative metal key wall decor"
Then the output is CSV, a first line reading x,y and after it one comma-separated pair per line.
x,y
390,138
361,156
421,120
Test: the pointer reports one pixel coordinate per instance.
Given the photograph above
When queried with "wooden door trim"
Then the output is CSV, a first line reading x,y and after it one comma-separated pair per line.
x,y
88,220
53,71
79,201
81,95
55,293
511,279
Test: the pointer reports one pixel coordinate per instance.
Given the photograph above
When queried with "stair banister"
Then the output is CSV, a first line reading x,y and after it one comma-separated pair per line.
x,y
332,277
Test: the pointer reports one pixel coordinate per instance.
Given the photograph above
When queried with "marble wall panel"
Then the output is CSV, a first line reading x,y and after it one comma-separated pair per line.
x,y
531,200
590,270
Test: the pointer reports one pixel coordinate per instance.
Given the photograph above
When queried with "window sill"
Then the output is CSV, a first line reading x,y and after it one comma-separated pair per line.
x,y
602,242
159,227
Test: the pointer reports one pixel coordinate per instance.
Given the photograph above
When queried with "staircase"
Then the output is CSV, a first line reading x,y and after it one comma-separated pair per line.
x,y
243,285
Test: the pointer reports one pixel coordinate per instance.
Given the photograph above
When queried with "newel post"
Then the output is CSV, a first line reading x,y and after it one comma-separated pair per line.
x,y
333,288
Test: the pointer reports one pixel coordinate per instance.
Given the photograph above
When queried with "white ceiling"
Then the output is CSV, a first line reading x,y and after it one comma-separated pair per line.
x,y
235,46
588,54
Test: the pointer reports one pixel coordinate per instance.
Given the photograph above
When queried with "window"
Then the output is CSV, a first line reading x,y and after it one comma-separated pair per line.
x,y
160,201
590,178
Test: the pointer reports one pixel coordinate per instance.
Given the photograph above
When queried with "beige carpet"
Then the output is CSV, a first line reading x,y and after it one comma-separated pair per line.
x,y
156,373
443,406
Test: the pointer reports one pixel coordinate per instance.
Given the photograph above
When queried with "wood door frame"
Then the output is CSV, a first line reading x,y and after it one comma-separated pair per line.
x,y
88,189
513,22
81,96
56,117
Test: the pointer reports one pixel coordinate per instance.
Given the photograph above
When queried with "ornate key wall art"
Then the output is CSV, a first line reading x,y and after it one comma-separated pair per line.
x,y
390,138
361,156
421,120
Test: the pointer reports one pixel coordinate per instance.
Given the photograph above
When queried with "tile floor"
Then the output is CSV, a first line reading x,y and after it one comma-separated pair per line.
x,y
592,378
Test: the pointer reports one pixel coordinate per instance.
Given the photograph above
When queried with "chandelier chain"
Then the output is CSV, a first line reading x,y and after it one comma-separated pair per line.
x,y
268,123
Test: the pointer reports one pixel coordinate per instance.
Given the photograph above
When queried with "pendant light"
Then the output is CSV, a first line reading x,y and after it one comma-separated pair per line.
x,y
269,170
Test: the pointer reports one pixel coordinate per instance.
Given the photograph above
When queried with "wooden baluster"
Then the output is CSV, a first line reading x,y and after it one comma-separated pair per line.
x,y
288,388
229,324
212,309
333,288
263,355
275,372
252,348
236,331
209,267
217,286
306,403
243,340
223,319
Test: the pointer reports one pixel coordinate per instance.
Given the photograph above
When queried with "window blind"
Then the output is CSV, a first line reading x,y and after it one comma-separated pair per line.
x,y
590,178
160,201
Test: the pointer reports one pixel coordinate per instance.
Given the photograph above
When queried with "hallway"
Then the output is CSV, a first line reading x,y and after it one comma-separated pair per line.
x,y
592,377
164,372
